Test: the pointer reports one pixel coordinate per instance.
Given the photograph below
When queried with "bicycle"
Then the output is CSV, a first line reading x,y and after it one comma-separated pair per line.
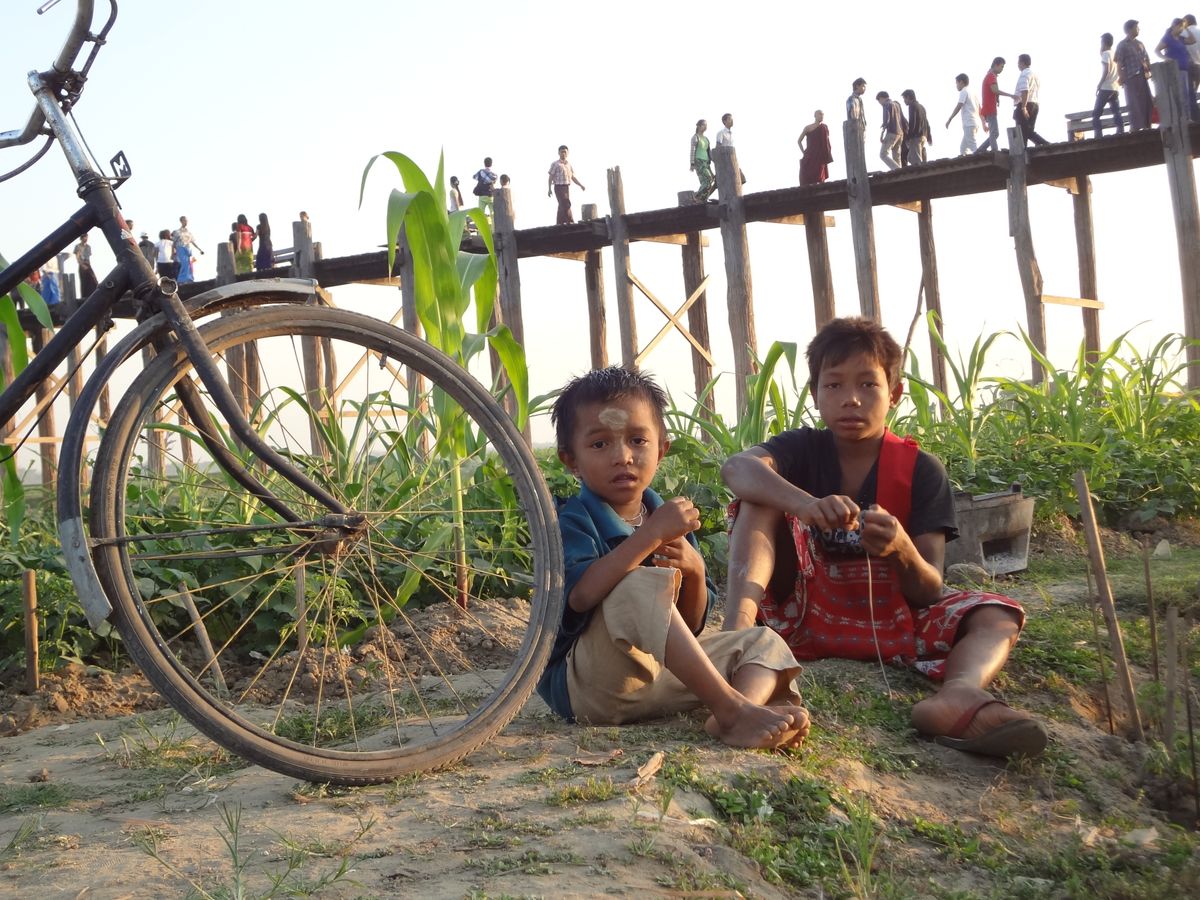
x,y
296,572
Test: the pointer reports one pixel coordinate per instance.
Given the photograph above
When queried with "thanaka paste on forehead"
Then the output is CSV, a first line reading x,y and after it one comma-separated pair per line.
x,y
613,417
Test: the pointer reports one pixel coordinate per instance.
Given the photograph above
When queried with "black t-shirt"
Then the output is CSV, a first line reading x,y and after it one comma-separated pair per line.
x,y
807,457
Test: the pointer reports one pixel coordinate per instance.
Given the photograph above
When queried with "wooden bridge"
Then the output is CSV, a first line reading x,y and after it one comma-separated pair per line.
x,y
1069,165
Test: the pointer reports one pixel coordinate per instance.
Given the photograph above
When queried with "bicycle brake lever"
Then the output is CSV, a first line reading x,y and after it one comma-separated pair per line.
x,y
47,5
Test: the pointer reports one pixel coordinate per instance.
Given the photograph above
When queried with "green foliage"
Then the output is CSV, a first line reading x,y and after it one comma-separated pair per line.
x,y
64,633
1124,417
444,276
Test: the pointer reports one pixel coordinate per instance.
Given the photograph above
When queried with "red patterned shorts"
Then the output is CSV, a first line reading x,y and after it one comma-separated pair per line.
x,y
850,607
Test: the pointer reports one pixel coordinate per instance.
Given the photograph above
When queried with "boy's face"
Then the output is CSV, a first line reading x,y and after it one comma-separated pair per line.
x,y
615,450
853,398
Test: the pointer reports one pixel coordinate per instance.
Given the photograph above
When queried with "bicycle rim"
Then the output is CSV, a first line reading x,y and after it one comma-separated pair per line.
x,y
351,648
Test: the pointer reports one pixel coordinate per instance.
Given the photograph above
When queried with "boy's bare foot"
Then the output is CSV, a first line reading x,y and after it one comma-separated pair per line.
x,y
970,719
761,727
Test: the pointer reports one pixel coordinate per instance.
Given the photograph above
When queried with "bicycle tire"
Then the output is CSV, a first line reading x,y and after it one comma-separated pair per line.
x,y
422,702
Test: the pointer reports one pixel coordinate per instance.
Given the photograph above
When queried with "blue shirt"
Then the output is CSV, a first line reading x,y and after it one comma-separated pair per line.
x,y
590,529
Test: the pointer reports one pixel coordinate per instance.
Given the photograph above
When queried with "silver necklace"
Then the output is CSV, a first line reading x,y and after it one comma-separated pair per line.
x,y
636,521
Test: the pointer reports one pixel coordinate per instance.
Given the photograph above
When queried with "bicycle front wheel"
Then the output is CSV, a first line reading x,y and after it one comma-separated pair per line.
x,y
356,645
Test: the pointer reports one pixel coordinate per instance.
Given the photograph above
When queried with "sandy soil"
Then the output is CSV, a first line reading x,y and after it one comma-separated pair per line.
x,y
94,774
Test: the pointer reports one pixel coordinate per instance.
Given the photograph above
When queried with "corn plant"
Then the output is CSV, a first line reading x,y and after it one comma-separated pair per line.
x,y
443,279
10,479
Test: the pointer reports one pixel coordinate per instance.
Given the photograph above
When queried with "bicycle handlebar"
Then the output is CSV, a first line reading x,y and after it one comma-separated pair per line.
x,y
60,69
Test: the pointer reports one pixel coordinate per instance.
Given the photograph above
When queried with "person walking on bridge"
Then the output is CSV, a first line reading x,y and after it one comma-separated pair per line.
x,y
1026,99
1133,72
968,105
1106,89
892,129
561,177
919,134
700,162
989,106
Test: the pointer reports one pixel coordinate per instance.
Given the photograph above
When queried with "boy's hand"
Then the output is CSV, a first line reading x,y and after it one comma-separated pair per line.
x,y
882,534
829,513
675,518
681,555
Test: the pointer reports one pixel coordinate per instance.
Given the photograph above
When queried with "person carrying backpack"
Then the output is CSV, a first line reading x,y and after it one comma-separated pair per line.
x,y
485,183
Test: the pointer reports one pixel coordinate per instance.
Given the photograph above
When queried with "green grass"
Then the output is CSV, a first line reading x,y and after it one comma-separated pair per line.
x,y
39,795
336,724
593,790
161,749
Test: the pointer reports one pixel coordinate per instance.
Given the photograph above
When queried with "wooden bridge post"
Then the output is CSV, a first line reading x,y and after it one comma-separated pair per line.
x,y
1177,151
304,258
620,247
1022,233
862,218
1085,247
509,275
235,359
819,268
508,310
593,279
47,432
933,292
739,296
693,276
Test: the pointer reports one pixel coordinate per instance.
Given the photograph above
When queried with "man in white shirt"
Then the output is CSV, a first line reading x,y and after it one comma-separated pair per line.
x,y
725,135
1025,96
969,106
1106,88
725,138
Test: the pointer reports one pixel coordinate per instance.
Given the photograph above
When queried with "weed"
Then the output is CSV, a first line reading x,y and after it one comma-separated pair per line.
x,y
304,791
857,845
594,790
165,750
242,880
951,839
643,846
25,835
589,818
40,795
551,775
335,725
531,862
689,880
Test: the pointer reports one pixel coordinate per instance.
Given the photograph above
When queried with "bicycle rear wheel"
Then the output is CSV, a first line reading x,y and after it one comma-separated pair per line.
x,y
350,647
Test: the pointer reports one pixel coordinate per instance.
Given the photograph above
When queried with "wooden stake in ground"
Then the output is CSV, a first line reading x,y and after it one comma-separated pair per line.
x,y
1187,693
1096,553
1100,654
1172,679
33,678
1150,606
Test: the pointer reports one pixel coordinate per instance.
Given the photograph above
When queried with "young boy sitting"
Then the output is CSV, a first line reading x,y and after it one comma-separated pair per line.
x,y
636,592
839,541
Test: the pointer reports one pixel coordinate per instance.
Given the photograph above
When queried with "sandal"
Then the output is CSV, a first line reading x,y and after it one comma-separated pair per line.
x,y
1025,737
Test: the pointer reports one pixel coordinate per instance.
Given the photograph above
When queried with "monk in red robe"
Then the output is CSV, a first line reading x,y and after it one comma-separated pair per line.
x,y
816,150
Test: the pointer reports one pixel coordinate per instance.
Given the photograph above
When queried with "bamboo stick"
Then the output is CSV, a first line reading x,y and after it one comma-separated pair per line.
x,y
1150,606
33,676
1172,679
206,647
1096,552
1100,654
1187,681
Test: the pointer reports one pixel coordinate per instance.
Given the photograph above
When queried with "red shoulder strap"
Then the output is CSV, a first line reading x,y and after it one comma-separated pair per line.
x,y
894,475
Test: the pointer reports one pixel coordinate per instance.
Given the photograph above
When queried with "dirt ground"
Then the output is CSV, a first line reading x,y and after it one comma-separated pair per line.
x,y
97,779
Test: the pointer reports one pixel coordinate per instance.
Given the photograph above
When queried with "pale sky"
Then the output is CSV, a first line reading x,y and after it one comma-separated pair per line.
x,y
233,107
